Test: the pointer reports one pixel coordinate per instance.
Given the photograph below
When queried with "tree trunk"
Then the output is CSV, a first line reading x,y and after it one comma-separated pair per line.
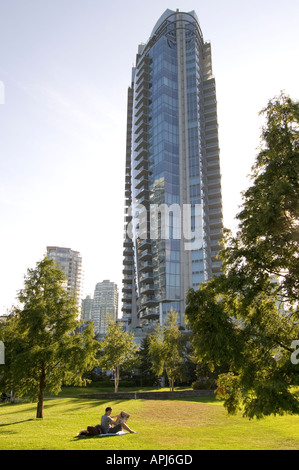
x,y
171,384
116,379
40,403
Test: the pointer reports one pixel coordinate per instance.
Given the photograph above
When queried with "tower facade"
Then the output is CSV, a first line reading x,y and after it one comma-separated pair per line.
x,y
70,262
104,306
173,205
86,308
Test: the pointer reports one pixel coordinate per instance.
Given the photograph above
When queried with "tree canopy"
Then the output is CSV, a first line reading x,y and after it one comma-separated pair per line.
x,y
44,346
166,349
117,350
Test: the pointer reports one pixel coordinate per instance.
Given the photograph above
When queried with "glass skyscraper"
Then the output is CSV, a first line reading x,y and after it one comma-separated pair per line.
x,y
173,206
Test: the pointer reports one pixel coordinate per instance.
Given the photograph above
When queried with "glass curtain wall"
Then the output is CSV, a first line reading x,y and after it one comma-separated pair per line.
x,y
168,152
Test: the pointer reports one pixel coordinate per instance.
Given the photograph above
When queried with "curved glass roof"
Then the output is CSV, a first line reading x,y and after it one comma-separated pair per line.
x,y
168,13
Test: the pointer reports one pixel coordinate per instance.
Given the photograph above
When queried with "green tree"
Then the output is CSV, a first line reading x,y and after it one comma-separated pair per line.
x,y
266,244
166,349
247,318
117,350
43,343
146,374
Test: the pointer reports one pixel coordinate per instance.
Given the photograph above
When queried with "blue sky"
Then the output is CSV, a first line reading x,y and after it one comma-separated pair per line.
x,y
65,66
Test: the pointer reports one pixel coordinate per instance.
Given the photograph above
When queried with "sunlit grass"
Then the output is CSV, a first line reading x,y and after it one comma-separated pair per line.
x,y
183,424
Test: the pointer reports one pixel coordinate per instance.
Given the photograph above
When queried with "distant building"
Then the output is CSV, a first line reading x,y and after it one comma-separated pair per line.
x,y
86,308
105,305
70,262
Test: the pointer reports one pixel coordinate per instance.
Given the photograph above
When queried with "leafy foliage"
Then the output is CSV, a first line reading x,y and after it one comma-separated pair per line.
x,y
166,349
117,350
146,374
267,243
247,318
44,345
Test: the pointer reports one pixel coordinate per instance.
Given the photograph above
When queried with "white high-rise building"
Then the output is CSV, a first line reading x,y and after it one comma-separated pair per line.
x,y
70,262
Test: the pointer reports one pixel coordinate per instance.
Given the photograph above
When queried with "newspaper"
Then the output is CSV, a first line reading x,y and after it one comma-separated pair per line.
x,y
122,417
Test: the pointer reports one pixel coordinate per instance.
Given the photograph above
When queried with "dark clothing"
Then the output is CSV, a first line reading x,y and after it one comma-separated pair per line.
x,y
115,429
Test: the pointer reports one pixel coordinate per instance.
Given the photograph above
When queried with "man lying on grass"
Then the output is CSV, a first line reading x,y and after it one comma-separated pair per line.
x,y
110,426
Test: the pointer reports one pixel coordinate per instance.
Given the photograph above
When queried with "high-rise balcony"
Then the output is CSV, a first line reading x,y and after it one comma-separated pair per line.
x,y
149,300
128,251
144,243
144,92
212,146
141,157
211,119
143,135
127,287
143,192
214,172
141,165
143,172
149,313
127,298
144,64
126,307
216,265
214,191
214,183
144,200
145,255
142,110
127,269
141,124
147,289
142,118
143,73
146,277
143,183
214,203
145,266
212,162
143,101
216,223
141,84
128,243
128,194
216,234
142,145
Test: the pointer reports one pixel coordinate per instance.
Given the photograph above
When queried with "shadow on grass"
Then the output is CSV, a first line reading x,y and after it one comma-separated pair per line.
x,y
80,438
17,422
206,400
80,403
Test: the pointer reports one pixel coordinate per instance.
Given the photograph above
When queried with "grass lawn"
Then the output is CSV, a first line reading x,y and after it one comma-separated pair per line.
x,y
180,424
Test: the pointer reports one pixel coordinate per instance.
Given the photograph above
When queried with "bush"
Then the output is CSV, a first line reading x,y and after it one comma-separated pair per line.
x,y
204,384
